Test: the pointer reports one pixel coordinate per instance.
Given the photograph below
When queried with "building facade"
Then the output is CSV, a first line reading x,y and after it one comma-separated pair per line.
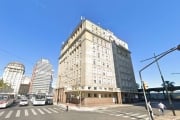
x,y
41,79
13,74
87,71
24,86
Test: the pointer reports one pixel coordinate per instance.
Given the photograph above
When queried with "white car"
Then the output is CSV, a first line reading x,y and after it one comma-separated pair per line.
x,y
23,102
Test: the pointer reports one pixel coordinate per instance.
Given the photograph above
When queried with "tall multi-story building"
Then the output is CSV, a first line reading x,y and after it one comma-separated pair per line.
x,y
41,79
13,74
24,86
95,67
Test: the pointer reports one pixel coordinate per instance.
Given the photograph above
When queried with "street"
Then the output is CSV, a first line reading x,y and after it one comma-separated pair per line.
x,y
55,112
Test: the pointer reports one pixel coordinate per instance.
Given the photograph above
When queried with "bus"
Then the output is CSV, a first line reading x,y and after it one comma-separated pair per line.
x,y
6,99
39,99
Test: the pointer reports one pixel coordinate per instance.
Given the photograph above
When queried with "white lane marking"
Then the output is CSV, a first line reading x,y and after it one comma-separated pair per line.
x,y
60,109
135,114
45,109
133,118
34,112
9,114
142,116
18,113
53,110
26,112
1,113
40,111
125,116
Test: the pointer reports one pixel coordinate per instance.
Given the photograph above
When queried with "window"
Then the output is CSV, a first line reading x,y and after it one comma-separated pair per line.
x,y
94,62
95,88
95,95
94,81
89,94
89,88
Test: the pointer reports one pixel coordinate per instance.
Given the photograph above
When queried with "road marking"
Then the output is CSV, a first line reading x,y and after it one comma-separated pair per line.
x,y
53,110
9,114
1,113
26,112
18,113
119,115
33,111
135,114
60,109
147,118
133,118
40,111
125,116
45,109
129,113
142,116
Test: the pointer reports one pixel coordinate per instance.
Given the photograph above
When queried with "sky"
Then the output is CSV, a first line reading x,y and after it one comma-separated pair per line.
x,y
35,29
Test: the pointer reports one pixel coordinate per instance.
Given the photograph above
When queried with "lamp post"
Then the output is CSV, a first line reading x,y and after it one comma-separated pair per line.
x,y
158,57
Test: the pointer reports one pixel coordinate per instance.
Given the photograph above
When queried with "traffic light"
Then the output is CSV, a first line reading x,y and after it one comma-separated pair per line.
x,y
145,85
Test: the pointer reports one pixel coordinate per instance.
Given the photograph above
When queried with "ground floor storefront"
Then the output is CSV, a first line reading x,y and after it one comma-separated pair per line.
x,y
92,97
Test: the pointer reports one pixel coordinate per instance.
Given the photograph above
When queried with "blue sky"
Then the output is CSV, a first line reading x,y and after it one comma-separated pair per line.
x,y
35,29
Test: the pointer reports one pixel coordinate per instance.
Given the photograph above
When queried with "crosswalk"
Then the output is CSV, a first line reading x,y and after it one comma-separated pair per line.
x,y
28,112
128,115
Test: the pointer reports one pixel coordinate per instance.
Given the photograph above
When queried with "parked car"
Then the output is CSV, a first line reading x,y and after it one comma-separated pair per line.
x,y
23,102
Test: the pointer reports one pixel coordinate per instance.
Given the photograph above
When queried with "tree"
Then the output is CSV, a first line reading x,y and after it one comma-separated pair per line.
x,y
137,85
4,86
169,85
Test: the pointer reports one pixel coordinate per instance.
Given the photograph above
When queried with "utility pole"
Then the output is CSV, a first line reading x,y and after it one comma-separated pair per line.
x,y
157,58
165,86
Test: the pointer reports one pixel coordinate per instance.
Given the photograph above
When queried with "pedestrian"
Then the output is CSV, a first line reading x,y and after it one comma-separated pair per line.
x,y
150,110
67,107
161,107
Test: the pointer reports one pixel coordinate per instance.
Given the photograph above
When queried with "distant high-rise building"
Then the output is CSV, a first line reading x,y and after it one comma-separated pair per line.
x,y
95,67
24,86
41,77
13,74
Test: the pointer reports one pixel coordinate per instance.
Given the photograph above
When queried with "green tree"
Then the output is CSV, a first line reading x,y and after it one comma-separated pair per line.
x,y
170,86
137,86
4,86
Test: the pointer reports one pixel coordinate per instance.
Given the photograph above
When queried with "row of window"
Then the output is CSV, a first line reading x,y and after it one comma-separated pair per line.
x,y
99,95
100,42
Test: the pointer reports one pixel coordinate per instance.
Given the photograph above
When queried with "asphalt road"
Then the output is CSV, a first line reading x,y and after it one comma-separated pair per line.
x,y
53,112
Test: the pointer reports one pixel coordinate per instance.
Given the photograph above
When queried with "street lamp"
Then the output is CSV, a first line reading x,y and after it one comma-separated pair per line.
x,y
158,57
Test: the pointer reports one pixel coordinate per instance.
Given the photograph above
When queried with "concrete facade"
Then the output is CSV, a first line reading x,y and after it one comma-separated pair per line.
x,y
13,74
41,79
86,71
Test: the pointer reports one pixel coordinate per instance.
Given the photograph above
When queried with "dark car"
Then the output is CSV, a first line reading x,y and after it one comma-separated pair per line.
x,y
49,100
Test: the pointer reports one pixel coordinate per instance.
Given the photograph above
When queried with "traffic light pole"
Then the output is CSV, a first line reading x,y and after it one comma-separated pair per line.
x,y
145,98
157,58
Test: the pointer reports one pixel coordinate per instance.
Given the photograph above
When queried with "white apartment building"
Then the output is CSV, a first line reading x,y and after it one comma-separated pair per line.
x,y
41,77
24,86
13,74
95,67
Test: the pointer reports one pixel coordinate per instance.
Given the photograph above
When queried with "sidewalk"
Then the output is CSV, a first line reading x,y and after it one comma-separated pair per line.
x,y
89,108
169,116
